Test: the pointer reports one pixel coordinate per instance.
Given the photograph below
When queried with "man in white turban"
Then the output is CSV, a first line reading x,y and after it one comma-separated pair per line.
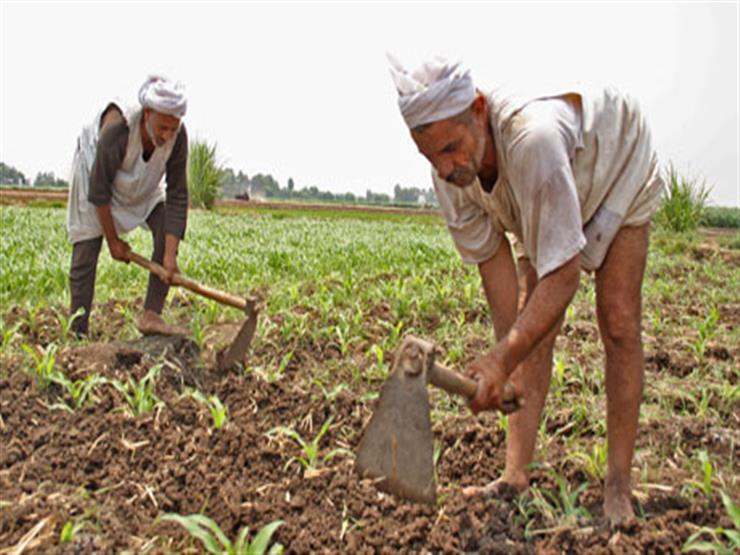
x,y
573,176
117,186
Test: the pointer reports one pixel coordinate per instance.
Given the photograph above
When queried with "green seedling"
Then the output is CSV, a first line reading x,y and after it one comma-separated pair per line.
x,y
706,329
81,391
595,463
658,321
309,458
271,376
559,508
70,530
44,364
65,323
705,486
215,541
140,396
219,413
8,334
730,545
330,394
198,330
349,523
32,314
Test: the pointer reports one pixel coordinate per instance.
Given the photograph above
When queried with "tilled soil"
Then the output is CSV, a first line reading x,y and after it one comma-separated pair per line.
x,y
120,473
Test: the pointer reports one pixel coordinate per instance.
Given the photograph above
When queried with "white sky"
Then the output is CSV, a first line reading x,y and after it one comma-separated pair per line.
x,y
302,90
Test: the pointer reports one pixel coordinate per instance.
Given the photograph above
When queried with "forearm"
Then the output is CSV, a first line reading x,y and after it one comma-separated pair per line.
x,y
106,222
171,243
540,316
499,278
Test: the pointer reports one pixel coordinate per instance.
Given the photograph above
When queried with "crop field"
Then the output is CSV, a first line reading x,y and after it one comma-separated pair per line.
x,y
108,446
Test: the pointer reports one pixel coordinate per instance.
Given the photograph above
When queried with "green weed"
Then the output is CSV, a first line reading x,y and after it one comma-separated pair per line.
x,y
727,546
684,202
140,395
219,413
44,363
205,176
309,457
215,541
80,391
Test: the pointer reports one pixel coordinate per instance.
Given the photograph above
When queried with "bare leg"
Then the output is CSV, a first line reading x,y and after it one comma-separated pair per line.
x,y
150,322
618,306
533,378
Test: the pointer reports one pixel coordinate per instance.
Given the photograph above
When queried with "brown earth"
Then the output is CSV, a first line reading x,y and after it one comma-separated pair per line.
x,y
121,472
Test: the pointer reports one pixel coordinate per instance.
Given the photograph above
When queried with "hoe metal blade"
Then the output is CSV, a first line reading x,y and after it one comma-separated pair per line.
x,y
397,447
243,339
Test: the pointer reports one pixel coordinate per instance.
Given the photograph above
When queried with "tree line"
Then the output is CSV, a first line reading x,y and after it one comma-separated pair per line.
x,y
238,185
12,176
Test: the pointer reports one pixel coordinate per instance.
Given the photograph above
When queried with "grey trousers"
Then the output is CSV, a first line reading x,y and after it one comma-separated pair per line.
x,y
85,263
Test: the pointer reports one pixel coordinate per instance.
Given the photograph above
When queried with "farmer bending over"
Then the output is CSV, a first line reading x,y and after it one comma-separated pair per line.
x,y
573,176
117,186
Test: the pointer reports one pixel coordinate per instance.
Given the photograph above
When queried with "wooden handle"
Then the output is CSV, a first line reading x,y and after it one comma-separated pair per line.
x,y
456,383
191,285
452,382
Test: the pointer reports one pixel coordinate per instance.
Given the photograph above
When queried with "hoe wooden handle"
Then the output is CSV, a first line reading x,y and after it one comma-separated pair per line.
x,y
456,383
191,285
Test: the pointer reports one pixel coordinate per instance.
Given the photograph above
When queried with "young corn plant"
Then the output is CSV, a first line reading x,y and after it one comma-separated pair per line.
x,y
198,330
139,396
215,541
706,329
329,394
80,391
66,322
8,334
44,364
270,375
309,457
71,529
219,412
559,508
594,463
727,546
705,486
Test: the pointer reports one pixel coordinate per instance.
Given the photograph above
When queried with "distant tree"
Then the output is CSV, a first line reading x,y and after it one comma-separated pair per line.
x,y
265,186
11,176
235,184
48,179
406,194
377,198
291,185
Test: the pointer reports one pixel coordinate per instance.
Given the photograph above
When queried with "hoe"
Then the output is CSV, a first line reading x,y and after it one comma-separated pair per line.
x,y
238,348
396,448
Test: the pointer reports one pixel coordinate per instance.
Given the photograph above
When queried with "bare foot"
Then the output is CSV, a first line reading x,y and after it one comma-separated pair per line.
x,y
151,323
617,505
503,488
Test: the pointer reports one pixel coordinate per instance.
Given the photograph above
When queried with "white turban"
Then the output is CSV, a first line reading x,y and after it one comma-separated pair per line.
x,y
434,91
165,96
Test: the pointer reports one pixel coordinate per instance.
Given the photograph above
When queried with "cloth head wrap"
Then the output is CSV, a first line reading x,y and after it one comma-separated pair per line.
x,y
165,96
434,91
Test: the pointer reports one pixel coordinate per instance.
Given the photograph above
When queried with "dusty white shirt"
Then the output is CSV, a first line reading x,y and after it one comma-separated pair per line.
x,y
137,188
572,169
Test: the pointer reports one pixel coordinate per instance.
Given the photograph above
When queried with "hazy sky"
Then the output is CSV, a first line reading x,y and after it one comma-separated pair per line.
x,y
302,90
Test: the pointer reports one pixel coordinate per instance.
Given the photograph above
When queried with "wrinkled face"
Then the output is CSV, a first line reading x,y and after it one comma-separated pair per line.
x,y
160,127
454,147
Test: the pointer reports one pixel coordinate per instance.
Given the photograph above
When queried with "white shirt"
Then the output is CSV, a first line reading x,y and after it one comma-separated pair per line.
x,y
572,169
